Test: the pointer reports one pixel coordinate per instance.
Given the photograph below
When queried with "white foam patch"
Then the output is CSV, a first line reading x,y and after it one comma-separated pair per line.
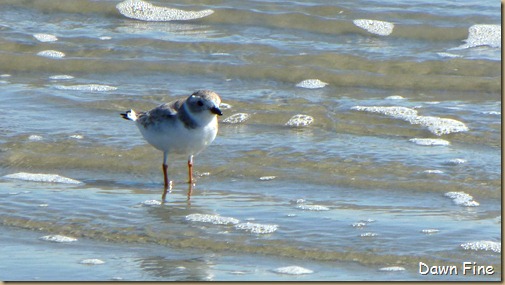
x,y
395,97
368,235
17,193
359,224
40,177
224,106
58,238
45,37
86,87
300,120
141,10
392,268
430,231
456,161
483,35
212,219
92,261
77,137
221,54
105,38
267,178
380,28
293,270
257,228
422,141
362,223
311,84
485,245
436,125
306,207
433,171
462,199
51,54
35,138
151,203
61,77
448,55
237,118
497,113
396,112
440,126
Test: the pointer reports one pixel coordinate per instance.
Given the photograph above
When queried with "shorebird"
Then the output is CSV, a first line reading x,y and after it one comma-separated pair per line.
x,y
184,126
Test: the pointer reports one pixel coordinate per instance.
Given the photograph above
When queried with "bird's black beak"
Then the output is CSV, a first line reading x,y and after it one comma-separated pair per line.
x,y
216,111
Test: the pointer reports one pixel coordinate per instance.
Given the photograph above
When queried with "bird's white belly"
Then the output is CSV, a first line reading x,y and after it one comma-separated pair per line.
x,y
179,139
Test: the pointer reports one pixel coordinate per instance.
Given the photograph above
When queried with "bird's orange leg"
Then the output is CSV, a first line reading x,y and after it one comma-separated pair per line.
x,y
190,169
164,195
168,184
165,176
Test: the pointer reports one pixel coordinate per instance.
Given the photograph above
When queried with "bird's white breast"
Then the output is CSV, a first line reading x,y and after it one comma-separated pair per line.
x,y
175,137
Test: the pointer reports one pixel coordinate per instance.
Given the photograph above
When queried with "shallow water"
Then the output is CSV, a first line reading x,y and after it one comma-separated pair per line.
x,y
353,195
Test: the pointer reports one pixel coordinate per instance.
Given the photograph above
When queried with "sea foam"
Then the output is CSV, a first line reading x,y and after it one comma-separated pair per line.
x,y
257,228
151,203
237,118
300,120
293,270
35,138
141,10
61,77
395,97
436,125
483,35
380,28
312,207
392,268
311,84
267,178
86,87
58,238
433,171
427,141
212,219
51,54
455,161
430,231
40,177
462,199
92,261
45,37
485,245
224,106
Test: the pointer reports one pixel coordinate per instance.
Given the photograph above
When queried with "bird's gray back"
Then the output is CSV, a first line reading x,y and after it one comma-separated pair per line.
x,y
164,112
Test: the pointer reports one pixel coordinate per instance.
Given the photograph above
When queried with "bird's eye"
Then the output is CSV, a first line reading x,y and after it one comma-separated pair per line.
x,y
200,103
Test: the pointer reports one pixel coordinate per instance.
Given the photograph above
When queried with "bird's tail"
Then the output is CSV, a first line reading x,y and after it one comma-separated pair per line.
x,y
129,115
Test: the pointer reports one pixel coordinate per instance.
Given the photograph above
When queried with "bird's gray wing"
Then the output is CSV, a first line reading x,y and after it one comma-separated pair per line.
x,y
162,112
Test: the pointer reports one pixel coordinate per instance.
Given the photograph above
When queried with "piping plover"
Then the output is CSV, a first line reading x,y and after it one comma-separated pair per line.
x,y
185,126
